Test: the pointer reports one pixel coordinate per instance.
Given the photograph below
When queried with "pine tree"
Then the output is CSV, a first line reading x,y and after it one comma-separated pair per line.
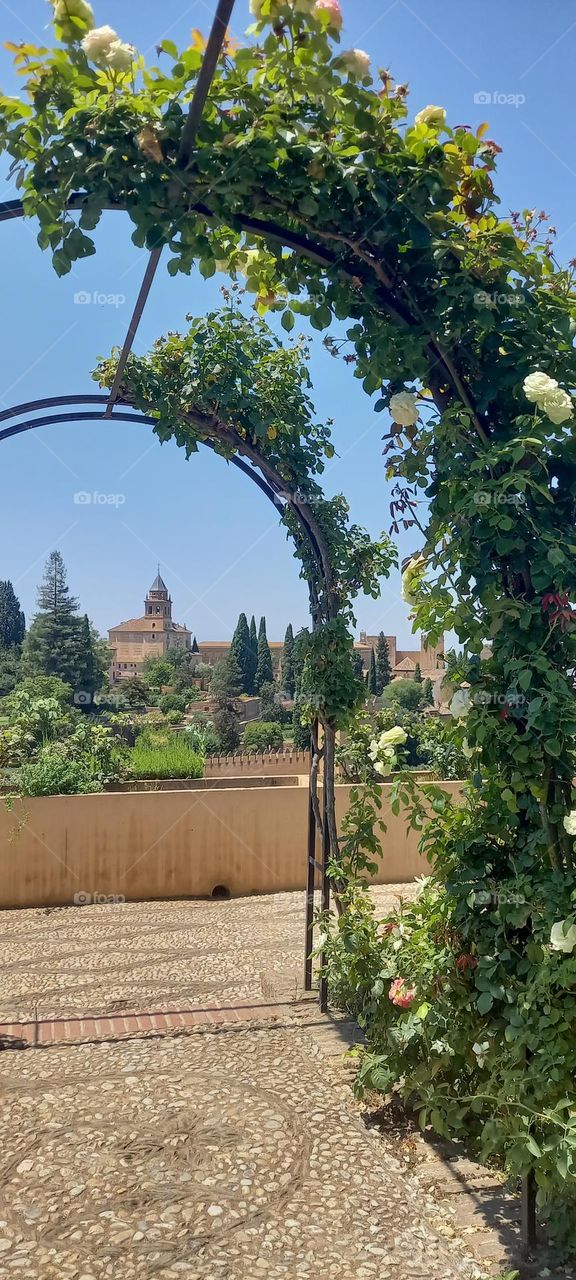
x,y
54,645
427,694
264,671
383,668
195,648
12,624
372,681
253,655
417,674
240,649
288,673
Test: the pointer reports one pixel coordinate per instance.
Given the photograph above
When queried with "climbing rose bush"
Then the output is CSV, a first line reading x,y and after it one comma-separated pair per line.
x,y
385,231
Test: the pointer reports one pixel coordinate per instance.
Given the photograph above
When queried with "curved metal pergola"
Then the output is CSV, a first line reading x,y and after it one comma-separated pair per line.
x,y
33,414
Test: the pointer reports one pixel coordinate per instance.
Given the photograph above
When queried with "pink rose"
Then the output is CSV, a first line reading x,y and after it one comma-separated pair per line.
x,y
401,995
332,8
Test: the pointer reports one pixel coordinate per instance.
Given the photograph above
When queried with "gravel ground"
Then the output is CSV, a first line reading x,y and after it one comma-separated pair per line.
x,y
233,1154
152,955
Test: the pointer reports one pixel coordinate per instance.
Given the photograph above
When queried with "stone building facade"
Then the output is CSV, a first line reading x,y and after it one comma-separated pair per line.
x,y
403,661
150,636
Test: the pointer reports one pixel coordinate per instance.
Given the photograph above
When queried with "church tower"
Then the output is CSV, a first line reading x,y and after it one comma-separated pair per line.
x,y
158,603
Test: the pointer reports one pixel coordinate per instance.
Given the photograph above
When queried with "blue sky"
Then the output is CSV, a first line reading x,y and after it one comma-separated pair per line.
x,y
215,536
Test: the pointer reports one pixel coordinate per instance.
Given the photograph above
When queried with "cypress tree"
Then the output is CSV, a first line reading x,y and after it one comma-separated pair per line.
x,y
264,671
89,676
253,655
288,673
241,651
427,693
195,648
358,665
417,674
53,646
12,624
372,682
383,668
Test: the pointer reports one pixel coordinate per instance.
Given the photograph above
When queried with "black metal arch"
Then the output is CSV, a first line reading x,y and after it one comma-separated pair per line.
x,y
118,415
25,423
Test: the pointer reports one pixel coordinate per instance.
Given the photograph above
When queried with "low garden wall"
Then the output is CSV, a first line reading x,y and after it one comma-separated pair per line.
x,y
263,763
166,844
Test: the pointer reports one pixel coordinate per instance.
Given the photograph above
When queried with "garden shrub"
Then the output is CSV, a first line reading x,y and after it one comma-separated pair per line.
x,y
172,702
263,735
53,773
202,737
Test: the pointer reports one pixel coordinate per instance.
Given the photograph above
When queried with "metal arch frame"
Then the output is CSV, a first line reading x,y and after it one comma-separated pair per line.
x,y
119,415
12,209
27,423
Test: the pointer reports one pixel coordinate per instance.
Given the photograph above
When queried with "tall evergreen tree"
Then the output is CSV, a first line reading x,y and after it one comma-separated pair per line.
x,y
195,648
89,675
12,624
358,665
372,680
226,683
54,646
225,686
241,651
427,693
417,674
383,668
288,672
253,655
264,670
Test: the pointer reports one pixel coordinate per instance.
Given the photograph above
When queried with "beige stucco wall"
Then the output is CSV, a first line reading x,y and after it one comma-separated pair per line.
x,y
171,844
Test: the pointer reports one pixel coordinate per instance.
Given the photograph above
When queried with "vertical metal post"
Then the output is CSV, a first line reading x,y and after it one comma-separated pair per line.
x,y
528,1213
325,889
310,880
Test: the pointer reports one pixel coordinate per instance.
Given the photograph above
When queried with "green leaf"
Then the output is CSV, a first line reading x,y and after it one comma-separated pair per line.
x,y
484,1002
287,320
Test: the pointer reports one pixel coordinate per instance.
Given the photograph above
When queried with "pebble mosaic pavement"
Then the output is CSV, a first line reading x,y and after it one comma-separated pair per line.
x,y
232,1151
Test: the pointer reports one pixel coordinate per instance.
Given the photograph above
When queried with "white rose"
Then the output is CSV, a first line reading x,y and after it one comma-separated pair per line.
x,y
332,8
570,822
412,578
557,405
64,10
537,386
460,704
97,44
395,737
385,762
562,939
404,408
431,116
356,63
120,56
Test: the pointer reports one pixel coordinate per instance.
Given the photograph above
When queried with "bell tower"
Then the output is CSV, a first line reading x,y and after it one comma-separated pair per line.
x,y
158,604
